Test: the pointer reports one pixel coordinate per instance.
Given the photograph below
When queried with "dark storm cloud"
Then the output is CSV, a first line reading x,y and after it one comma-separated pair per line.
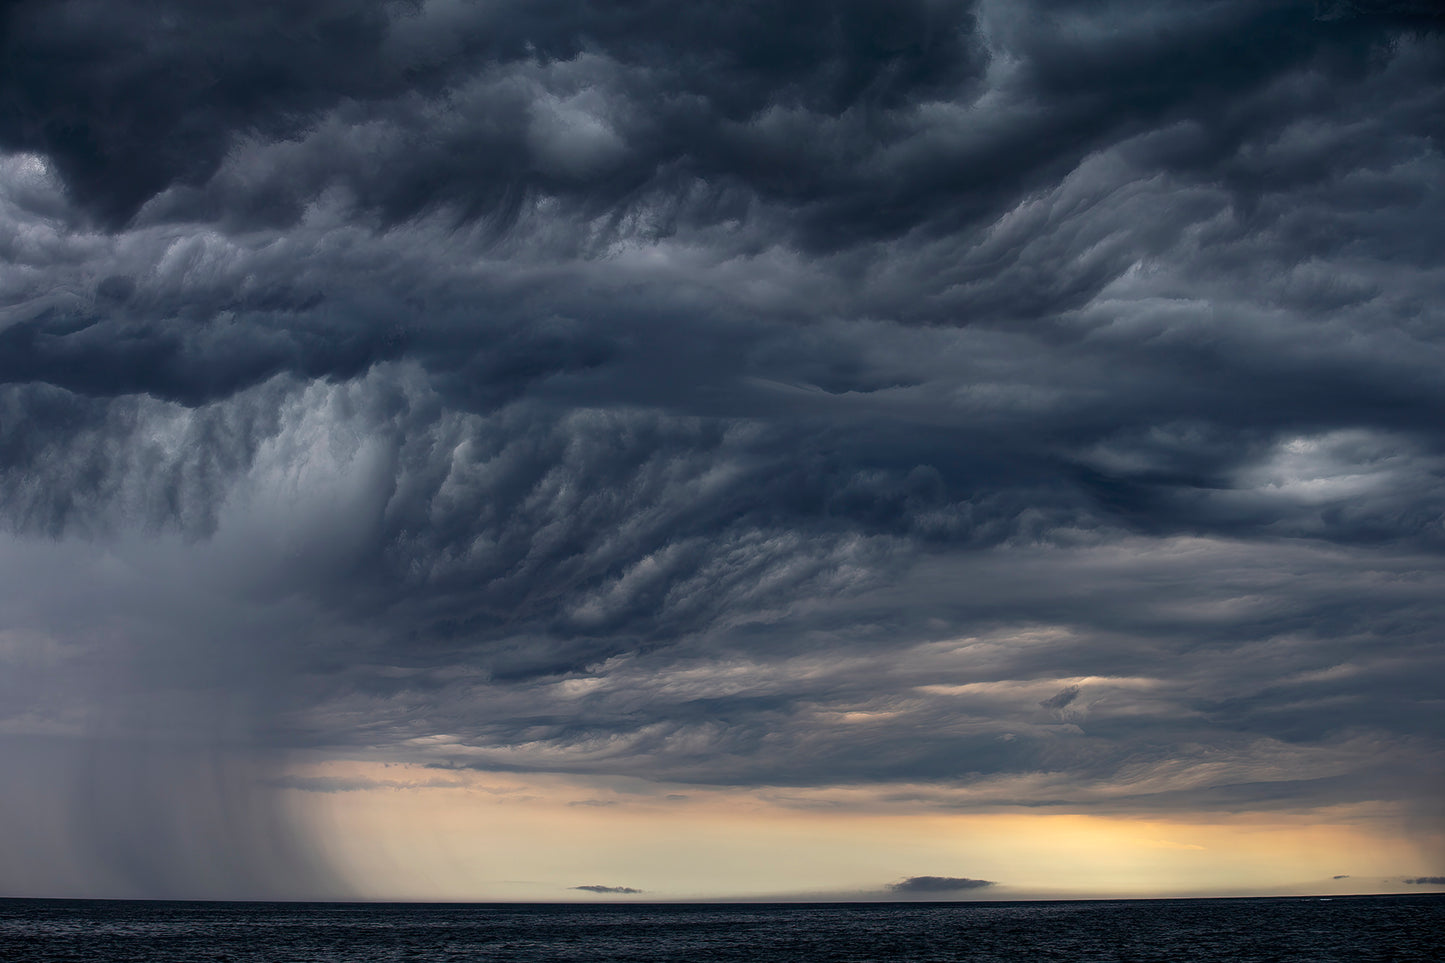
x,y
608,889
133,98
1023,404
920,885
814,107
129,98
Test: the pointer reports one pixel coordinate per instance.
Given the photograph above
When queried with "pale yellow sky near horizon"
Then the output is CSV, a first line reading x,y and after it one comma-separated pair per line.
x,y
406,832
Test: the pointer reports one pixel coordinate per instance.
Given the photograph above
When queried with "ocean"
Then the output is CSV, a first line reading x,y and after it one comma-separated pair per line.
x,y
1357,929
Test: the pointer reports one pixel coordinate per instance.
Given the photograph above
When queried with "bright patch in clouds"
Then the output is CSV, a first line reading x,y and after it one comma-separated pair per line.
x,y
512,837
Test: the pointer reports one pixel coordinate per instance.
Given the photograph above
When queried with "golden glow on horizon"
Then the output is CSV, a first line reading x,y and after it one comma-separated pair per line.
x,y
403,832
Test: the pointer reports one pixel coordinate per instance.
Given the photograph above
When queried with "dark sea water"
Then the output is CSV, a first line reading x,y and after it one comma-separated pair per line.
x,y
1368,928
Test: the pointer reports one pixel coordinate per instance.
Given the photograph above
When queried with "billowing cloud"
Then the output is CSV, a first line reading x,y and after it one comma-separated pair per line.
x,y
1011,404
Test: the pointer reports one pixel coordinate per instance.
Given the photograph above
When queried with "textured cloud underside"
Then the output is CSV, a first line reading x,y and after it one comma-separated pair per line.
x,y
1026,404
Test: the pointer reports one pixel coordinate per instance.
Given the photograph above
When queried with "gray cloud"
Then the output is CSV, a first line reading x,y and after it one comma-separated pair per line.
x,y
1062,698
609,889
1020,404
1427,881
925,885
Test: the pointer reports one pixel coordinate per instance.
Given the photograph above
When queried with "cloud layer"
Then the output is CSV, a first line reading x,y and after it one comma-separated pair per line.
x,y
1019,404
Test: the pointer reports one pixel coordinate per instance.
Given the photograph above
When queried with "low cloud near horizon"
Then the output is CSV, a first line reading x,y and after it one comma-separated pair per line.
x,y
625,890
988,406
920,885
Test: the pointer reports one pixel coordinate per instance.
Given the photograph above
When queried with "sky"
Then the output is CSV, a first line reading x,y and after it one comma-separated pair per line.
x,y
562,450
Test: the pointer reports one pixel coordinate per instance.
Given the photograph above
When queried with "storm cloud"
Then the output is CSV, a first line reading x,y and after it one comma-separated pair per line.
x,y
1001,404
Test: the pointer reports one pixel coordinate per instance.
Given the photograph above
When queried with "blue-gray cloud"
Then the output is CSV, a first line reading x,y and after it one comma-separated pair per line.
x,y
1013,404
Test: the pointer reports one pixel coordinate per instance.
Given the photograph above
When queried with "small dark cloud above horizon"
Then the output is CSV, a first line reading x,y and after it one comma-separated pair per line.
x,y
1427,881
924,885
618,890
1017,404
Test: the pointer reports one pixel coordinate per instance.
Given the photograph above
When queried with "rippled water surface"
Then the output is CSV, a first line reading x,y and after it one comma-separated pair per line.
x,y
1384,928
